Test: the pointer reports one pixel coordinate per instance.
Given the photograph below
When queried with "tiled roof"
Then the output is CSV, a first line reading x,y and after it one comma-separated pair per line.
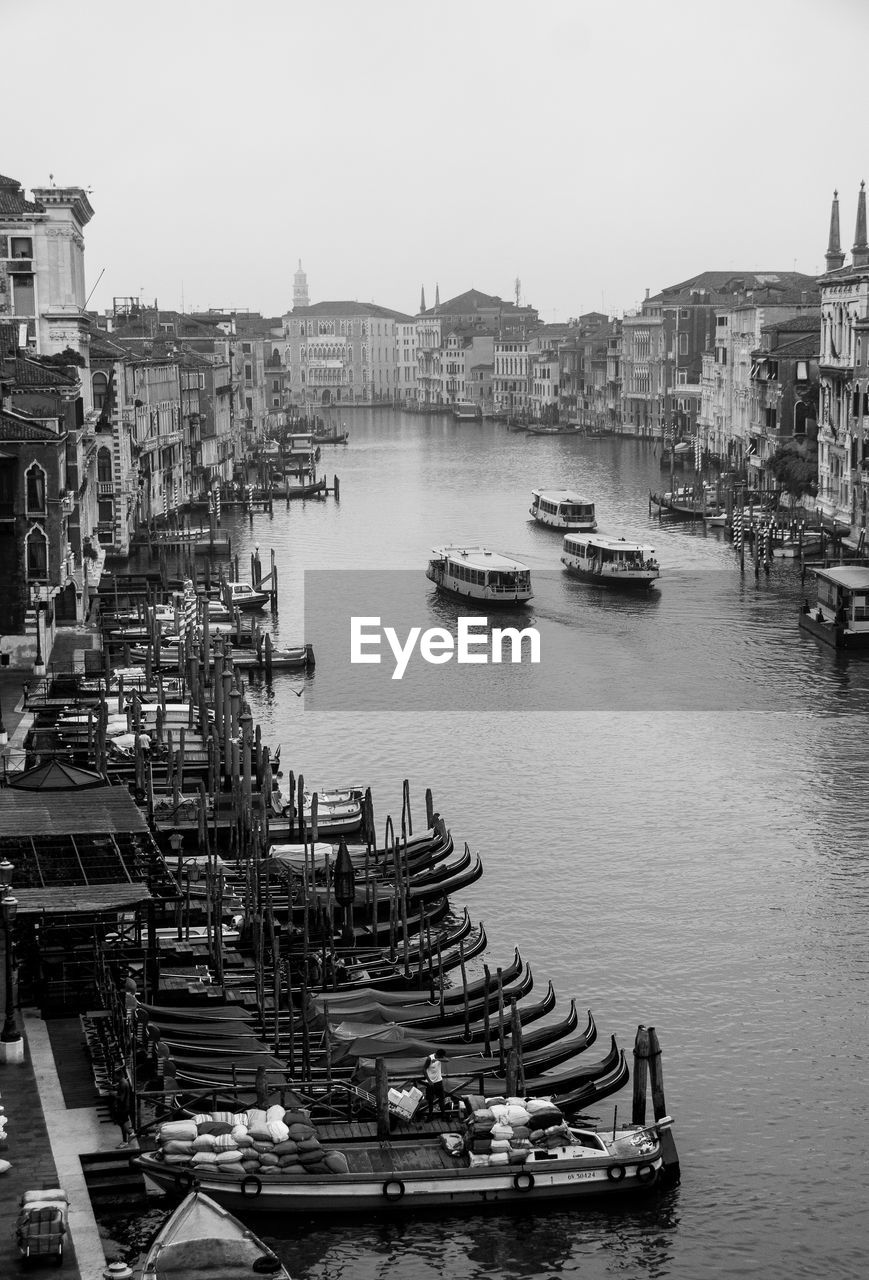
x,y
797,324
32,373
800,349
366,309
15,427
12,198
470,300
730,282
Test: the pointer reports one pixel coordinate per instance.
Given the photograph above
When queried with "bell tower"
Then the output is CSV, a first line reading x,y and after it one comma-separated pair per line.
x,y
300,288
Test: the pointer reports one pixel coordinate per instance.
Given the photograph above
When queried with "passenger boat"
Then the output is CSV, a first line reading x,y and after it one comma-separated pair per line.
x,y
566,1162
610,561
568,429
202,1238
475,573
840,616
562,509
242,596
467,412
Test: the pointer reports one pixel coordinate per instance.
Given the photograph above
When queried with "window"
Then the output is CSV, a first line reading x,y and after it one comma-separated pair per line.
x,y
99,387
20,247
35,491
248,373
23,296
37,555
683,344
246,348
802,371
104,466
276,386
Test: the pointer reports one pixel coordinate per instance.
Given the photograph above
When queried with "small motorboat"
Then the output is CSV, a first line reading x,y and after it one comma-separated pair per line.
x,y
241,595
204,1239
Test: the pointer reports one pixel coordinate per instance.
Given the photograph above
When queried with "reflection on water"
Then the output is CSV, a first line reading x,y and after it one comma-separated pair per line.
x,y
674,831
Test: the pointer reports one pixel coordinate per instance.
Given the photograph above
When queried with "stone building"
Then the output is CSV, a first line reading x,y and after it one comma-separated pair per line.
x,y
46,503
343,353
42,281
664,342
843,429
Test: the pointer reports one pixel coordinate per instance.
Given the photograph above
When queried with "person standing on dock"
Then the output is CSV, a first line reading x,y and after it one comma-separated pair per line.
x,y
433,1074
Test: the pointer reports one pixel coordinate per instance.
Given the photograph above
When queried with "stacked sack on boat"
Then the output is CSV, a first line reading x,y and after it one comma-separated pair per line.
x,y
260,1142
507,1130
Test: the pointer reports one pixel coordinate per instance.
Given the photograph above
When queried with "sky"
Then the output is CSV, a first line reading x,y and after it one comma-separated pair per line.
x,y
589,150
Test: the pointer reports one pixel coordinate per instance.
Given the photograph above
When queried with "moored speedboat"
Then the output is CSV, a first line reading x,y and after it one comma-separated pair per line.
x,y
204,1239
477,574
610,561
241,595
562,509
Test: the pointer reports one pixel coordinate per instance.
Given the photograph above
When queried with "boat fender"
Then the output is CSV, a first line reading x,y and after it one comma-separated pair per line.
x,y
615,1172
287,811
645,1172
524,1181
393,1189
251,1185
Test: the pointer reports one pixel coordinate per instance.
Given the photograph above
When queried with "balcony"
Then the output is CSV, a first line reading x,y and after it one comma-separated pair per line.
x,y
105,488
20,266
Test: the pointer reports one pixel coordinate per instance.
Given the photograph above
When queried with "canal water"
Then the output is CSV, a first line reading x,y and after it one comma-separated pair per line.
x,y
671,808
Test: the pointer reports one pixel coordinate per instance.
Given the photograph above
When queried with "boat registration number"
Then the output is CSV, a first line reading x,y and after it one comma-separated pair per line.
x,y
576,1177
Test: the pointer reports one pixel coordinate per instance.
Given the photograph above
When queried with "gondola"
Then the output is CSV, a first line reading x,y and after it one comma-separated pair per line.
x,y
403,1058
568,1080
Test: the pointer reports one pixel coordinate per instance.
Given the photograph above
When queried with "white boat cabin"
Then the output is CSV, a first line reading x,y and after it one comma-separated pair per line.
x,y
480,574
563,509
241,595
610,560
843,600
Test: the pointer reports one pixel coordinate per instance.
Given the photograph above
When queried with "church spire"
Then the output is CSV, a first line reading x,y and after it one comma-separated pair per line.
x,y
422,301
860,251
834,256
437,298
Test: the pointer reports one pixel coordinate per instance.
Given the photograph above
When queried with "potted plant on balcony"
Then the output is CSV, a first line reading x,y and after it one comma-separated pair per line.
x,y
88,550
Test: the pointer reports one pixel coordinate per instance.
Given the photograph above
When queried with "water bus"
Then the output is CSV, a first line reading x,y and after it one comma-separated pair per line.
x,y
477,574
562,509
840,616
610,561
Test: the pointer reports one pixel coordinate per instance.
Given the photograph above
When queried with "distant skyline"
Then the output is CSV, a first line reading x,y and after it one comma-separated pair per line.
x,y
593,151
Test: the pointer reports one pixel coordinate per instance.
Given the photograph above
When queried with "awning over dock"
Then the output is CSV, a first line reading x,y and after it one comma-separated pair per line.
x,y
78,851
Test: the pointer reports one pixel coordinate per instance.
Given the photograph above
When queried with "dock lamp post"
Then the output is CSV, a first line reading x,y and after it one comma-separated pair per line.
x,y
11,1040
345,891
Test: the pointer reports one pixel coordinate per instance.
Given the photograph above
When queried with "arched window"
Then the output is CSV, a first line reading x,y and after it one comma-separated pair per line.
x,y
37,555
104,466
35,503
99,388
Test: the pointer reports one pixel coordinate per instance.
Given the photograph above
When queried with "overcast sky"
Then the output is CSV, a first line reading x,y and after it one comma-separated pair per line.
x,y
590,149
